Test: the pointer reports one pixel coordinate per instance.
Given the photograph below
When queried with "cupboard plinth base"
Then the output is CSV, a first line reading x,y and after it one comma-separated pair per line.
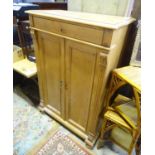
x,y
100,143
41,107
90,141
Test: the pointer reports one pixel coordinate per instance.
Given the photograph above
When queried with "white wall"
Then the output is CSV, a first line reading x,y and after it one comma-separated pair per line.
x,y
110,7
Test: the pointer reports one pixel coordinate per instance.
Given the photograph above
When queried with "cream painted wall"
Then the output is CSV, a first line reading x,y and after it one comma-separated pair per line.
x,y
75,5
110,7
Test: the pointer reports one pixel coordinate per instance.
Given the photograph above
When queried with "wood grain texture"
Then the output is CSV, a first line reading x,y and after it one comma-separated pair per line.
x,y
52,70
105,49
71,30
75,57
97,20
80,68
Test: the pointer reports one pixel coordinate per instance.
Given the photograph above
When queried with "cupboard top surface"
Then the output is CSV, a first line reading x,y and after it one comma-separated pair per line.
x,y
99,20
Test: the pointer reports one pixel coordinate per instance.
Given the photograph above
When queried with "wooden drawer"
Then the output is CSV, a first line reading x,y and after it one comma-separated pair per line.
x,y
84,33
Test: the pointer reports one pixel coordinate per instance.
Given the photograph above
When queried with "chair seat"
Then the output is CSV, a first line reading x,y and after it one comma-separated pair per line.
x,y
25,67
116,118
121,137
22,65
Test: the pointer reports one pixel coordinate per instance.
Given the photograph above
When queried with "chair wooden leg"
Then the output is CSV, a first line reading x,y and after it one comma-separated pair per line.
x,y
138,147
138,152
135,144
100,143
101,139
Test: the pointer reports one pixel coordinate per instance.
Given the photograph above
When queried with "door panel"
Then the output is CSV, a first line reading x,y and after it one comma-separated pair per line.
x,y
80,71
50,49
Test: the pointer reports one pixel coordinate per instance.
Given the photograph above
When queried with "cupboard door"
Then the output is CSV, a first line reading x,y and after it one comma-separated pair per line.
x,y
80,73
50,49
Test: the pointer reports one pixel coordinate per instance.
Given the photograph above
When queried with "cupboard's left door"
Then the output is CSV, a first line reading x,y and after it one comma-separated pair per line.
x,y
49,55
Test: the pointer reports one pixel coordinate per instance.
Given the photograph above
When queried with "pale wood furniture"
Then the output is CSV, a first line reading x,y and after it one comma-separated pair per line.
x,y
25,67
21,24
75,53
17,53
22,65
123,113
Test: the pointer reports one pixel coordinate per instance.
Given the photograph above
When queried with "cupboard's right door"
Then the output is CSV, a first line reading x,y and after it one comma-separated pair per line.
x,y
80,73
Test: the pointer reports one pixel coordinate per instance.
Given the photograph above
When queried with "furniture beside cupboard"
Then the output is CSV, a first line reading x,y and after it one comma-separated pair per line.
x,y
75,52
123,115
20,24
22,65
52,5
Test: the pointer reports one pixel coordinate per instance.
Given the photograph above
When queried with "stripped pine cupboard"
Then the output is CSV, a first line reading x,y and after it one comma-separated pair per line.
x,y
75,53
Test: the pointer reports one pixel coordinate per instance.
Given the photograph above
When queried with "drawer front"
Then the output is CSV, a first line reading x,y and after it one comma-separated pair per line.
x,y
84,33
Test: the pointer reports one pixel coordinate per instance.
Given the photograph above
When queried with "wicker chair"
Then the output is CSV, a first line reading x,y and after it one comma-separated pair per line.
x,y
122,115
